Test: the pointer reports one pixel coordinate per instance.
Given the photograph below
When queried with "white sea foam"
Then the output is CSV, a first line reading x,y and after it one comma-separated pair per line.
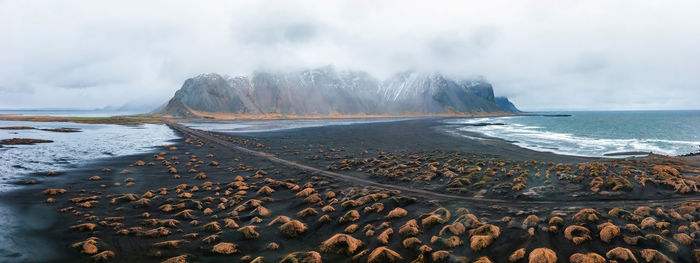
x,y
540,139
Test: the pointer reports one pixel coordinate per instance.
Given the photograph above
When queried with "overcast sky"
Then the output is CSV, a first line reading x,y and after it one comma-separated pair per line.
x,y
541,54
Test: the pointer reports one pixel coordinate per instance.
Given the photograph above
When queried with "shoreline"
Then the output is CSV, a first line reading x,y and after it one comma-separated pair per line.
x,y
327,148
214,117
225,117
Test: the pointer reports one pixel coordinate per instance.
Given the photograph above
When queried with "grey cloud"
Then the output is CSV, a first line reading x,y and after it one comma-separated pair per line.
x,y
300,32
586,64
544,55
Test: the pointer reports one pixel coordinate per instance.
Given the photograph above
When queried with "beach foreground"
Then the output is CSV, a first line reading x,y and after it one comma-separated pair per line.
x,y
402,191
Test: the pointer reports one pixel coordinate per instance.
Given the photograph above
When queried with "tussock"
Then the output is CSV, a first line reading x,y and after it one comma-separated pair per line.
x,y
279,220
642,211
167,208
328,209
177,259
542,255
225,248
212,226
439,216
555,220
531,220
621,253
350,216
83,199
455,228
410,242
586,215
191,236
261,211
376,207
161,222
383,238
351,228
248,232
663,241
410,228
265,190
302,257
307,212
517,255
156,232
341,244
469,220
632,228
608,231
487,229
305,192
683,238
324,219
293,228
102,256
450,242
88,204
623,214
312,199
88,246
587,258
653,255
577,234
647,222
440,256
54,191
207,211
170,243
383,255
185,214
230,223
483,236
84,227
483,260
272,246
210,239
479,242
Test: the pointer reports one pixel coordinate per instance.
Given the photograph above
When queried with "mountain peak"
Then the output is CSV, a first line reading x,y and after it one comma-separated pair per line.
x,y
325,91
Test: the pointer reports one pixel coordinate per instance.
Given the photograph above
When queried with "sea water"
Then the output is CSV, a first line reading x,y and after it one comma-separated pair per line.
x,y
595,133
70,149
276,125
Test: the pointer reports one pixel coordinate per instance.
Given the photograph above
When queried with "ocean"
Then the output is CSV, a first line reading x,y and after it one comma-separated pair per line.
x,y
70,149
277,125
595,133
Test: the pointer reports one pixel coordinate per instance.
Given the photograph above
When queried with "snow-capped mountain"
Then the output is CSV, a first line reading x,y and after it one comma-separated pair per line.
x,y
325,91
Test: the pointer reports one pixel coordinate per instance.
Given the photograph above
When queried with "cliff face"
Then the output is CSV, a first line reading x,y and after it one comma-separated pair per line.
x,y
324,91
505,104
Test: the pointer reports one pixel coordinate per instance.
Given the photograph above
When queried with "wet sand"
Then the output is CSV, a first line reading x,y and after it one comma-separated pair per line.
x,y
374,168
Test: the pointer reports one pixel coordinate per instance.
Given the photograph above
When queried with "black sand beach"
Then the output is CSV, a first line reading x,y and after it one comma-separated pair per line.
x,y
470,198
